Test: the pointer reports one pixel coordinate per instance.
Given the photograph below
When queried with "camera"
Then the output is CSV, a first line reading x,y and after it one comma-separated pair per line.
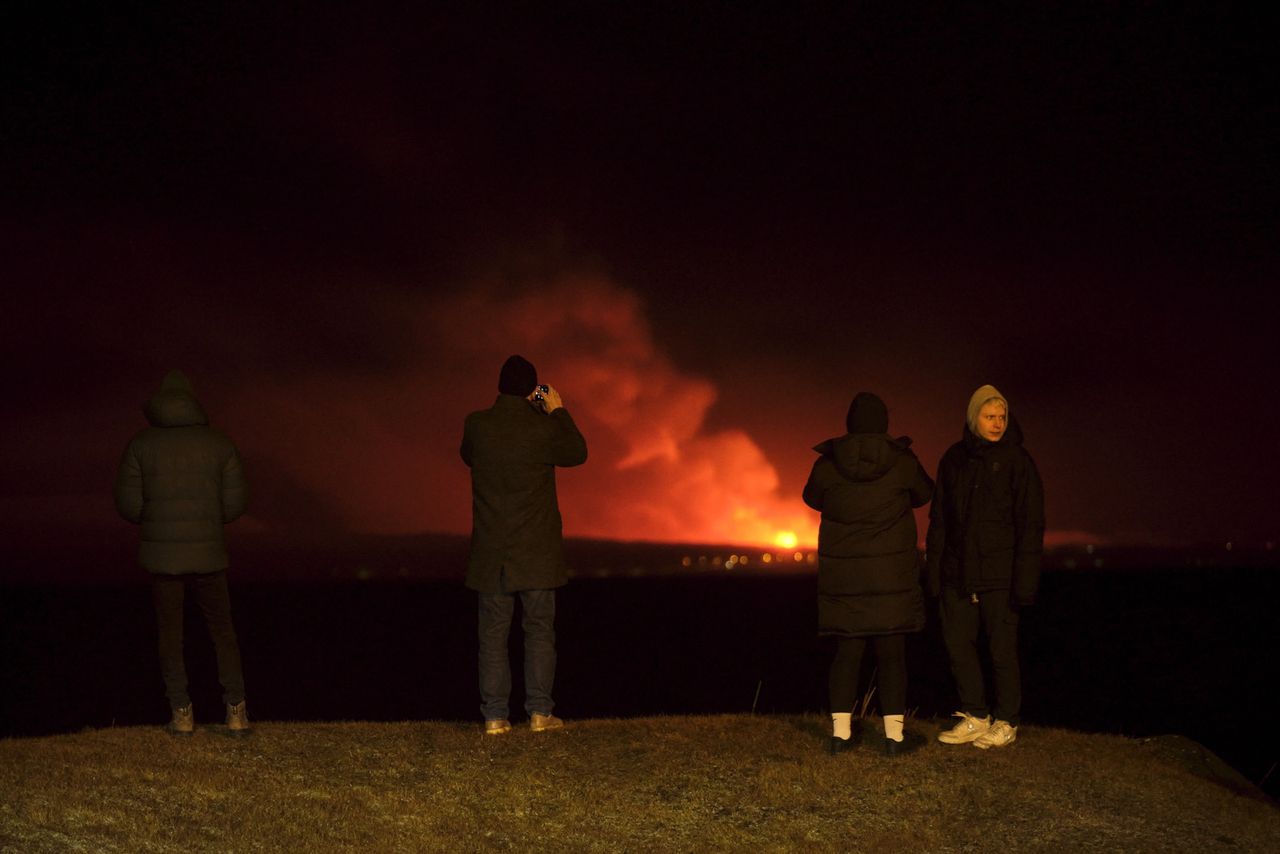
x,y
540,391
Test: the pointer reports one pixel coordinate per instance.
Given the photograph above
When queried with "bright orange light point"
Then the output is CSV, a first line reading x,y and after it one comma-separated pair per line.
x,y
786,539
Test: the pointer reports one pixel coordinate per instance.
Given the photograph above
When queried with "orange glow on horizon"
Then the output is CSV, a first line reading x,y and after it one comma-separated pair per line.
x,y
771,527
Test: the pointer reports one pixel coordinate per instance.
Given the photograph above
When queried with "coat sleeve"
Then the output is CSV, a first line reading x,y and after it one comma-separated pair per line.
x,y
128,489
568,447
1028,512
921,485
235,492
466,449
936,538
813,488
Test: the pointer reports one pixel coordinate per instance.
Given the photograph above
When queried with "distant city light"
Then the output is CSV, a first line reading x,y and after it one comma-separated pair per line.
x,y
686,561
798,556
812,557
766,557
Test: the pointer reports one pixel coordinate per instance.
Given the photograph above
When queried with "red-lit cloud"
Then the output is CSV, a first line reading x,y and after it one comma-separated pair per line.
x,y
382,446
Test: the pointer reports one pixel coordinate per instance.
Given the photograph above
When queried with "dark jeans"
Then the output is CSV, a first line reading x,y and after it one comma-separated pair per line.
x,y
891,673
962,621
210,592
538,623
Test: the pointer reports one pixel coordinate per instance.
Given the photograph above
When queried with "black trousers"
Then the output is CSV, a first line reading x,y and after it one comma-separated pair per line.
x,y
211,596
891,673
962,622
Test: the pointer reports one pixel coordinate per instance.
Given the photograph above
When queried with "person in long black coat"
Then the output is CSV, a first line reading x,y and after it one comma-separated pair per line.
x,y
182,481
986,535
513,449
865,485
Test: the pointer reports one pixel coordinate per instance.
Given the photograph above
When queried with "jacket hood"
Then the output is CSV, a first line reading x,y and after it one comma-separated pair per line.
x,y
175,404
862,457
1012,436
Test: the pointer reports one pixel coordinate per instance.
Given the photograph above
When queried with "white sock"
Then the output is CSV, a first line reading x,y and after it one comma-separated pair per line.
x,y
893,727
842,725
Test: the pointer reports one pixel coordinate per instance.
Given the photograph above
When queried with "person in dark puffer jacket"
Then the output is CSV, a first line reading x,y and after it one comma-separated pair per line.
x,y
986,535
182,480
865,485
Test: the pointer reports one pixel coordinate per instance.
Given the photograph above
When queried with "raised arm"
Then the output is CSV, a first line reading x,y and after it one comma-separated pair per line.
x,y
568,447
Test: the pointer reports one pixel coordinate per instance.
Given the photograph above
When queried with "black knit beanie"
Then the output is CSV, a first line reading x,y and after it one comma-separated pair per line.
x,y
518,377
867,414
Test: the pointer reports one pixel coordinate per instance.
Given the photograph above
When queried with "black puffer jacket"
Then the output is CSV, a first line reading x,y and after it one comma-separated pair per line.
x,y
513,450
182,480
986,525
865,485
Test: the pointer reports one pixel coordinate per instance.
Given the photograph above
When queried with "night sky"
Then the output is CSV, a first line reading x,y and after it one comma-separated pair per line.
x,y
707,227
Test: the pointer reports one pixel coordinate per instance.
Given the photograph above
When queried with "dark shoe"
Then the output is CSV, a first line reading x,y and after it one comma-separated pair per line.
x,y
183,722
910,743
837,745
237,720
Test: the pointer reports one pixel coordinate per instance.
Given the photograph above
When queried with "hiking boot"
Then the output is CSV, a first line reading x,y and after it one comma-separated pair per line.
x,y
542,723
237,720
968,729
498,727
911,742
1001,734
183,722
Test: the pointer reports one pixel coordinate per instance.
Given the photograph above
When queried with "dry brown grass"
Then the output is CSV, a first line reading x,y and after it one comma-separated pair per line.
x,y
723,783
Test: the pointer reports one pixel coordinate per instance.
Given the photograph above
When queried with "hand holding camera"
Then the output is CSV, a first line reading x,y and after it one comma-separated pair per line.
x,y
546,397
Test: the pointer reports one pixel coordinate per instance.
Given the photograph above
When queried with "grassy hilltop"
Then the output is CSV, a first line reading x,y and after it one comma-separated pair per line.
x,y
717,783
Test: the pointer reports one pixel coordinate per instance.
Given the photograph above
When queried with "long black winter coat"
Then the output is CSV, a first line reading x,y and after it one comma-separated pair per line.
x,y
865,485
986,525
513,449
182,480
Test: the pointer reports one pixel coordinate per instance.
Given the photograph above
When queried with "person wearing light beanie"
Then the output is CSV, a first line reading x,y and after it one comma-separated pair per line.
x,y
984,395
986,535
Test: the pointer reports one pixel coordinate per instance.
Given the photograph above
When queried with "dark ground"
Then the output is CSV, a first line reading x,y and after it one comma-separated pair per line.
x,y
1188,651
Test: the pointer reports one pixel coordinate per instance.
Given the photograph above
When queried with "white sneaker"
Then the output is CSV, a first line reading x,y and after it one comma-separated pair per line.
x,y
968,729
1001,734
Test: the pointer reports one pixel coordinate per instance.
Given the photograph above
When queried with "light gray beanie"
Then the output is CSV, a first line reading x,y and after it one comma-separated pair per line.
x,y
984,394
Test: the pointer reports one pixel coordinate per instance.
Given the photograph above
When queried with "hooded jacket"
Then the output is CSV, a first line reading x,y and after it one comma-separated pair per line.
x,y
986,525
865,486
516,533
182,481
